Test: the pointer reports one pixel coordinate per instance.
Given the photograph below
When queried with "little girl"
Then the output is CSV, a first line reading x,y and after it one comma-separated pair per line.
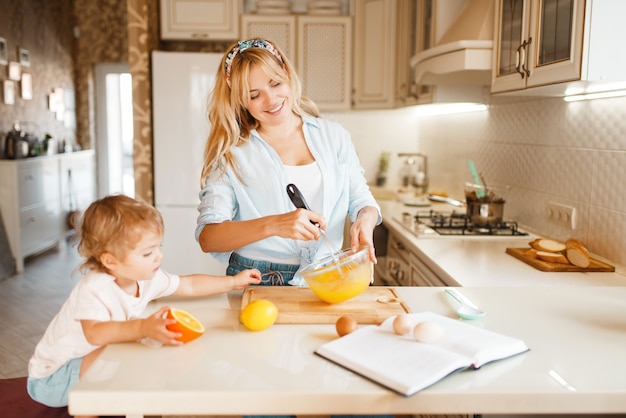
x,y
120,240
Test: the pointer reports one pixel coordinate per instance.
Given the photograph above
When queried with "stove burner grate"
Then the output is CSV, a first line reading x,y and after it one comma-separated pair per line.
x,y
458,224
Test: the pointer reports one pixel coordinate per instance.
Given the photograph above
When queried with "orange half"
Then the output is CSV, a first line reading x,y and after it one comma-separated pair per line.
x,y
186,324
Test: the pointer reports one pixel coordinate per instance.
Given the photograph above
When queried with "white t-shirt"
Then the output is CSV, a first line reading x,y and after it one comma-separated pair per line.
x,y
96,297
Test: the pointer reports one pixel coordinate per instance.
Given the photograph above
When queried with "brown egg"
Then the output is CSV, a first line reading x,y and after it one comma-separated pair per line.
x,y
402,324
427,332
345,325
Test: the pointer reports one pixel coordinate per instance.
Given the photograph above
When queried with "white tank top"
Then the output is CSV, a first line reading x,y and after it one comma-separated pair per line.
x,y
308,179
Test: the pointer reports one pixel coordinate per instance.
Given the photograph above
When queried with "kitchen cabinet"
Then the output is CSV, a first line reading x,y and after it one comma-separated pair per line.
x,y
32,191
200,20
550,46
30,205
77,174
320,47
397,270
422,274
404,267
423,38
386,34
375,53
280,29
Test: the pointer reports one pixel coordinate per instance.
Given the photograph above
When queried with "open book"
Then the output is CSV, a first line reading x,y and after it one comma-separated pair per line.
x,y
407,366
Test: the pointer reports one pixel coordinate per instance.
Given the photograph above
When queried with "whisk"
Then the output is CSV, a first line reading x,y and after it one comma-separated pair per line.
x,y
298,200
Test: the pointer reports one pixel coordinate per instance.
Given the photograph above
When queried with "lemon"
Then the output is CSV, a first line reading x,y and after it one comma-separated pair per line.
x,y
258,315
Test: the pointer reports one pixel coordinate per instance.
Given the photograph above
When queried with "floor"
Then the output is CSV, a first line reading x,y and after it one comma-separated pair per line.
x,y
28,302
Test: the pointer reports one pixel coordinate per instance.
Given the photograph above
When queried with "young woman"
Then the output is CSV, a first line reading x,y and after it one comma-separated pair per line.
x,y
264,136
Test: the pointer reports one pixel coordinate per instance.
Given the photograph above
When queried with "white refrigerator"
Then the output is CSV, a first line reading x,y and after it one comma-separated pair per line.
x,y
181,82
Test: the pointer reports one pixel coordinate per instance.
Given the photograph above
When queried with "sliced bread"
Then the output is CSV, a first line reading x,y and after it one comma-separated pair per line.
x,y
548,245
576,253
552,257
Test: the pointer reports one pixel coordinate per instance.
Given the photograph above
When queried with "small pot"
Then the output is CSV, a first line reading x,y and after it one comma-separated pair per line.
x,y
485,214
485,205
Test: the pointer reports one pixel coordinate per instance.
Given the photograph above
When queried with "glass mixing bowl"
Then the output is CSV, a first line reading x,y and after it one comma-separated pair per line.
x,y
340,277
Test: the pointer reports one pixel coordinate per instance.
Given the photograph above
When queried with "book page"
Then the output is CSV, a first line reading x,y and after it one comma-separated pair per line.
x,y
406,365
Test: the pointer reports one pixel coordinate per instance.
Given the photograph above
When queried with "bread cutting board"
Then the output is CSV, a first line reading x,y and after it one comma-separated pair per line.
x,y
299,305
594,265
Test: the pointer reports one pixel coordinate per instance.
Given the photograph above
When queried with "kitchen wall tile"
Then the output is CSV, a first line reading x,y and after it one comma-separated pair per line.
x,y
609,230
547,150
513,121
608,123
561,125
609,173
380,130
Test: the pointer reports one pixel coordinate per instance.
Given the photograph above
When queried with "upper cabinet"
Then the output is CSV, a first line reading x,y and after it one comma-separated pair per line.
x,y
375,53
280,29
385,37
200,19
554,47
320,47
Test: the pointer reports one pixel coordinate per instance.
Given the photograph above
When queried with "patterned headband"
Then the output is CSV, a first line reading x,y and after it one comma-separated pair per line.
x,y
246,44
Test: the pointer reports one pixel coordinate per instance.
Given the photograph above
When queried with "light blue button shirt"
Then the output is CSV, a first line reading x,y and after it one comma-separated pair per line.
x,y
264,192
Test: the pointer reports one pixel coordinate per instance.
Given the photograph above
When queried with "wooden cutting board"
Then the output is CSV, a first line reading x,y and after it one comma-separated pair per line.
x,y
299,305
594,265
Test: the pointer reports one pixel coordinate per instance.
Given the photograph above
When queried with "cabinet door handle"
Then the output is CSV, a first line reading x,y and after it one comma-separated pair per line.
x,y
521,55
518,60
525,63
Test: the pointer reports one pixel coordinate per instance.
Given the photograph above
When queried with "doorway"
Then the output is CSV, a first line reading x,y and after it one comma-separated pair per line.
x,y
114,129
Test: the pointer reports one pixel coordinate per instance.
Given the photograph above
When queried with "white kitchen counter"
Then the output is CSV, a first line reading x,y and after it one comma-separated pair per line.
x,y
575,364
481,260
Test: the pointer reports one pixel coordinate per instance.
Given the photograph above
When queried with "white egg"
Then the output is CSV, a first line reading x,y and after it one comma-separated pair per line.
x,y
402,324
427,332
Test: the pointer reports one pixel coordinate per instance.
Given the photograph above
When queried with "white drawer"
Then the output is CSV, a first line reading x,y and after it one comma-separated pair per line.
x,y
83,175
40,227
37,184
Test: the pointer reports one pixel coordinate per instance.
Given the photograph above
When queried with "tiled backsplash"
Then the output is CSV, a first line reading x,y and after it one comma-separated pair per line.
x,y
546,150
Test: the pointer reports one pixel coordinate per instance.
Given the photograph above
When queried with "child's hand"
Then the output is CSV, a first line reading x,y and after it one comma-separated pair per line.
x,y
155,327
246,277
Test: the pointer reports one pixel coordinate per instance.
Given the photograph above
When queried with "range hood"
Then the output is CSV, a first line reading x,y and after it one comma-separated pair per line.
x,y
463,54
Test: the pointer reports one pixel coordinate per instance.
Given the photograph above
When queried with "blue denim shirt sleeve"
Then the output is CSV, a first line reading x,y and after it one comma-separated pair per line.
x,y
263,194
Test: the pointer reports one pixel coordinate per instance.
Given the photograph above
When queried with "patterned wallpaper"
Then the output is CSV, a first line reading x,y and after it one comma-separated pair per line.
x,y
142,38
66,38
44,28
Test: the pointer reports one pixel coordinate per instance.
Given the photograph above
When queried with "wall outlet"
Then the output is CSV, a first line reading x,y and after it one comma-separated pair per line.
x,y
562,214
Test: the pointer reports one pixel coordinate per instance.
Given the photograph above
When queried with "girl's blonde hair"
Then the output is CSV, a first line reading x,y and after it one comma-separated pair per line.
x,y
231,123
114,224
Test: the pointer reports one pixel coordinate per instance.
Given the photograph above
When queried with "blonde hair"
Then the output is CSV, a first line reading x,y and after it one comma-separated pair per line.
x,y
114,224
231,123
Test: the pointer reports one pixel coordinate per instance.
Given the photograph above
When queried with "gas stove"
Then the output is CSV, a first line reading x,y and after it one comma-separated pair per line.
x,y
453,223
